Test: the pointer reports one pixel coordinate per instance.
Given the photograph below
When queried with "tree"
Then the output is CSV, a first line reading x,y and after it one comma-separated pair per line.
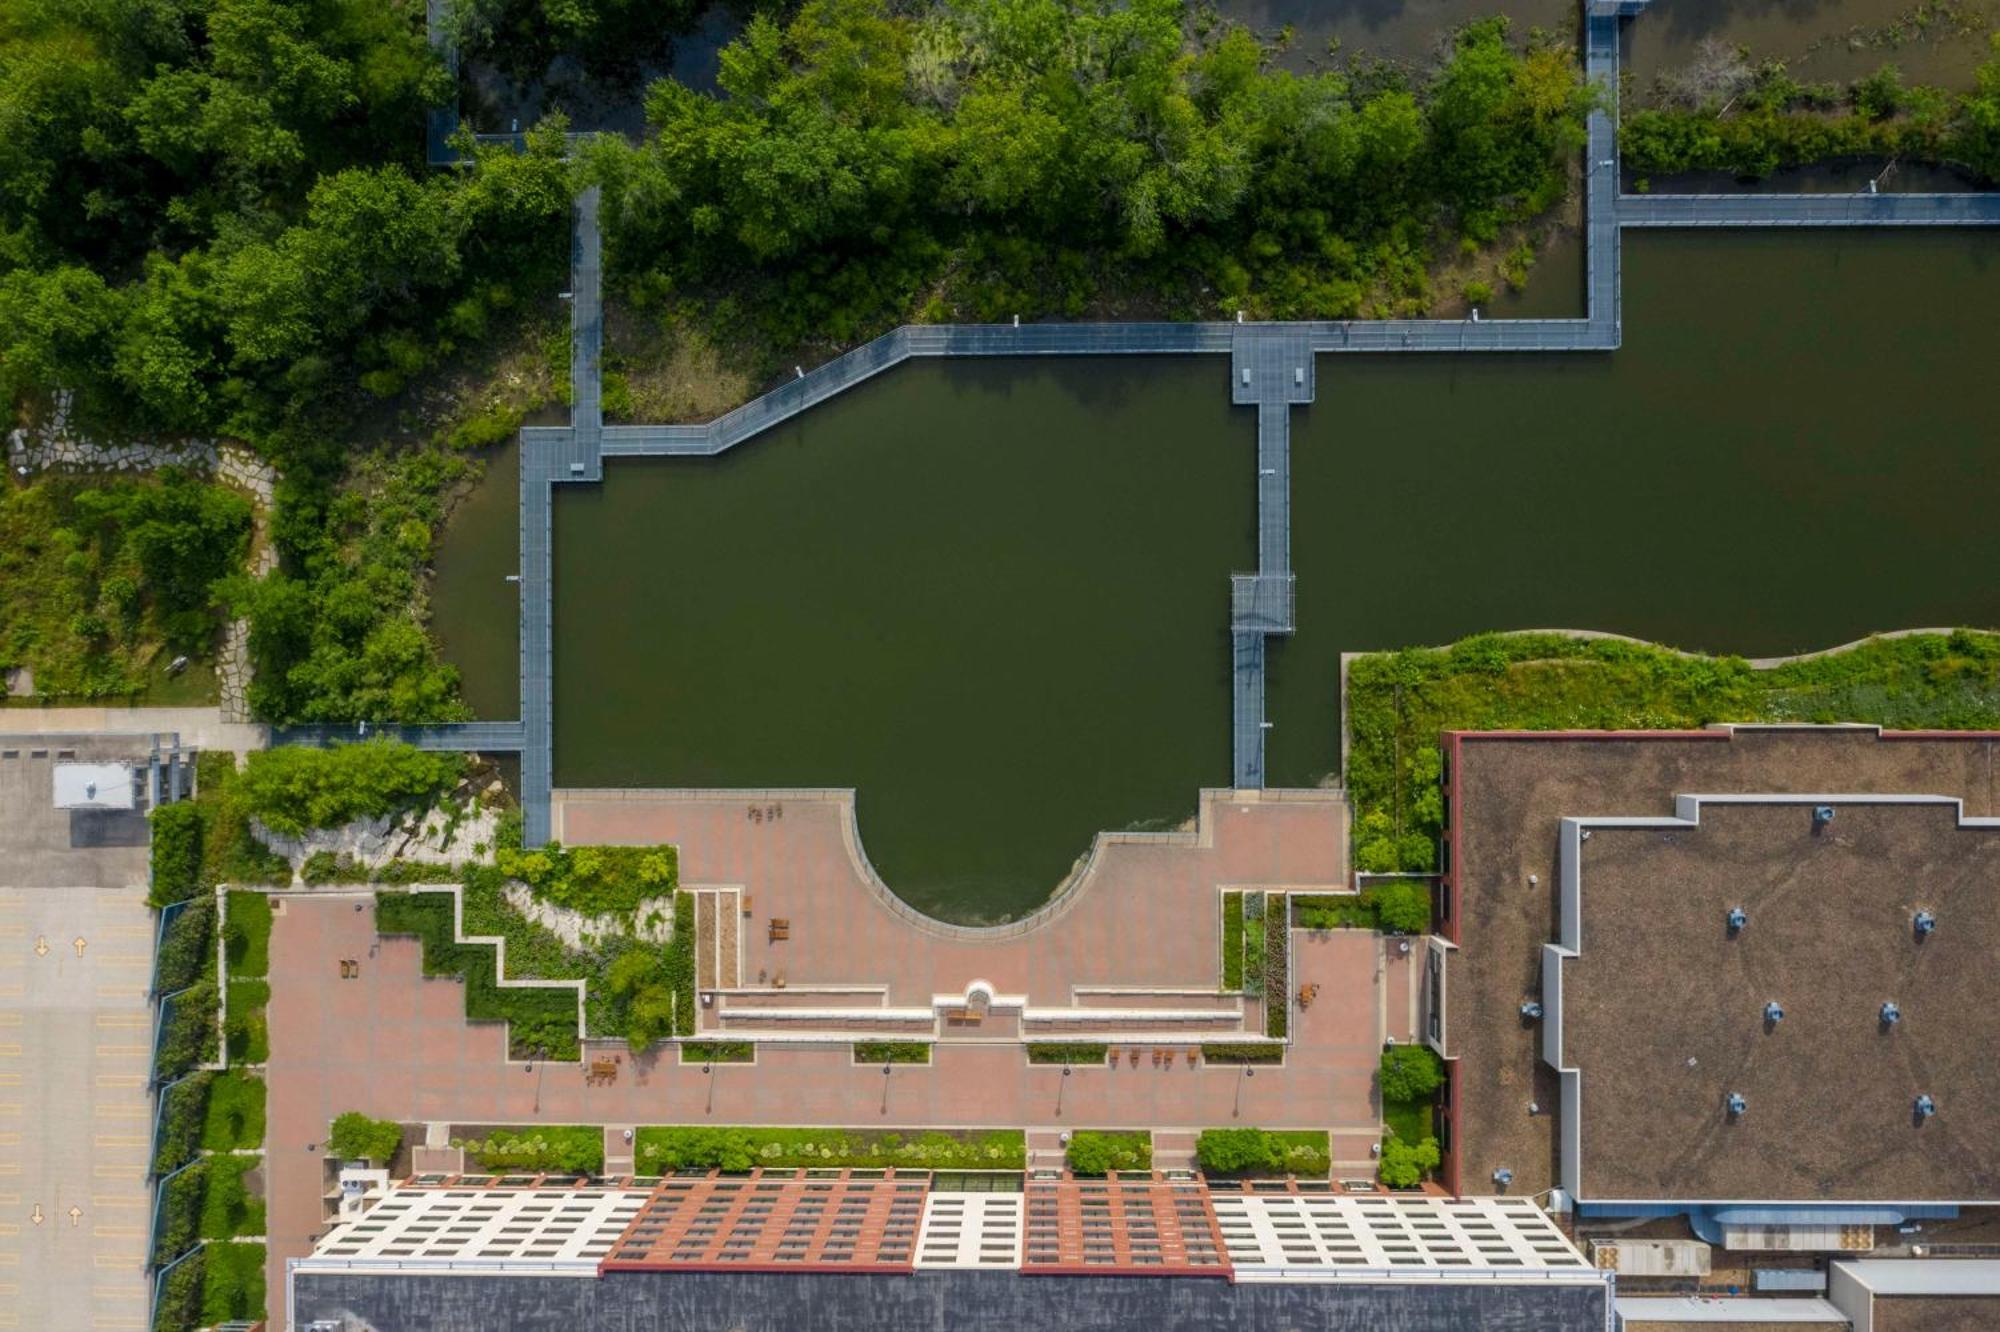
x,y
643,993
295,788
1092,1153
1404,1164
356,1137
1410,1073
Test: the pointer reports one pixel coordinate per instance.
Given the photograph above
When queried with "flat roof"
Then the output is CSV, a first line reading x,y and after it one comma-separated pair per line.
x,y
94,786
1509,794
1936,1313
1663,1010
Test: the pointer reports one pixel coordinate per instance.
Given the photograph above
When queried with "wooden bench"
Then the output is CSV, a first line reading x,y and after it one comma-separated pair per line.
x,y
781,928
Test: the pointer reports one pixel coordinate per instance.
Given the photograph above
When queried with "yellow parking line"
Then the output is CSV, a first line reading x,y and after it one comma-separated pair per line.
x,y
111,1260
116,1293
113,1111
10,1019
114,993
9,1228
112,1139
8,1290
120,1079
13,931
115,1200
12,990
10,1049
117,1232
8,1259
10,1079
126,931
104,1170
116,1322
9,1109
10,1140
10,1200
124,1019
123,1051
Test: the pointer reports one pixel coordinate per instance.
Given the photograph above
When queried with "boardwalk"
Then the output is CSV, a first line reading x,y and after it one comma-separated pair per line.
x,y
1280,358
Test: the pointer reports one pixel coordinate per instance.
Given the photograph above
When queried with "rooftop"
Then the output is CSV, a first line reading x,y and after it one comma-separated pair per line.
x,y
1510,792
1829,1088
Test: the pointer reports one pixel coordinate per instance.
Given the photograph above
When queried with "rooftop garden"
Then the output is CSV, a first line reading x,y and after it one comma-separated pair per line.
x,y
738,1149
1398,703
1256,1153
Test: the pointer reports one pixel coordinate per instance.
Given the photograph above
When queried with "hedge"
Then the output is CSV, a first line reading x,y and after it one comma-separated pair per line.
x,y
594,880
1068,1052
570,1149
246,932
1225,1052
177,835
1277,976
680,964
892,1052
737,1149
179,1213
1232,942
1095,1153
179,1307
1263,1152
541,1023
1405,1164
1409,1073
234,1118
718,1052
1399,906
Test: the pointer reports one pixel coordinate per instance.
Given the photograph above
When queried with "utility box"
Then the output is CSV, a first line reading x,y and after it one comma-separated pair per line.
x,y
1651,1257
1788,1278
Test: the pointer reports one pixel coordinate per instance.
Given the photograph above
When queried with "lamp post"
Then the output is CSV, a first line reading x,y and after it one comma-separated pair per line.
x,y
1060,1088
1236,1111
885,1088
709,1068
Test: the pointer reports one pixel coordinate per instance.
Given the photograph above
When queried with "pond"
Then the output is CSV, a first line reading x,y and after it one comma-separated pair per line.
x,y
992,596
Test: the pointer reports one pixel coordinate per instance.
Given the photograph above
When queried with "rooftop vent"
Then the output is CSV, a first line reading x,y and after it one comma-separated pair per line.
x,y
1735,1104
1532,1009
1822,815
1891,1014
1925,1107
1923,922
1737,918
1503,1177
1774,1012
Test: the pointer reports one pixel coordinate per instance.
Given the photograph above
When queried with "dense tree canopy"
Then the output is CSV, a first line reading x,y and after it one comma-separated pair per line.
x,y
1031,155
212,215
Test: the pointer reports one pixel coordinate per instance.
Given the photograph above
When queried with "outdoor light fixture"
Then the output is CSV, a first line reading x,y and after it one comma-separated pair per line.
x,y
1774,1012
1737,918
1503,1177
1891,1014
1924,922
1735,1104
1532,1010
1926,1107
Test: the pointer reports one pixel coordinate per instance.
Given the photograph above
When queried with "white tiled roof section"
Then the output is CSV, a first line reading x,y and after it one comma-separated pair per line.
x,y
1334,1235
554,1230
970,1230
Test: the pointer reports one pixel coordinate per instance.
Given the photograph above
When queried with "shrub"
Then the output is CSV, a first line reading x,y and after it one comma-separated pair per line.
x,y
295,788
680,964
738,1149
639,983
1478,293
717,1052
1404,1164
892,1052
594,880
1067,1052
179,1306
1410,1073
188,1034
177,834
545,1149
183,1109
234,1118
187,947
1402,906
1251,1151
330,867
1277,978
246,931
356,1137
1093,1153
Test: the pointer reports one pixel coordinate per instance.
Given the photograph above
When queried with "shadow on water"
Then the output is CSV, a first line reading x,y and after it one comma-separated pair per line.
x,y
991,595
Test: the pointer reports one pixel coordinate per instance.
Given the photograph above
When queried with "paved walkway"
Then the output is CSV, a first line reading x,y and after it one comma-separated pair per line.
x,y
1143,914
198,728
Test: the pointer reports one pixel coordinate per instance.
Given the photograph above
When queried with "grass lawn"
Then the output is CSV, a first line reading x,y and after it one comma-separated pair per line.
x,y
249,1034
1398,702
233,1283
246,927
227,1208
1409,1120
235,1116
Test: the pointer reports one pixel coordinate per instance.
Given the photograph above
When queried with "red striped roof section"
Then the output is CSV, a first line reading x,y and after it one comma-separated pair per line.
x,y
776,1221
1131,1224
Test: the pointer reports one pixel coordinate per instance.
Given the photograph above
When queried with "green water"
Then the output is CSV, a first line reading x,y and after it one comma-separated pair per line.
x,y
992,596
